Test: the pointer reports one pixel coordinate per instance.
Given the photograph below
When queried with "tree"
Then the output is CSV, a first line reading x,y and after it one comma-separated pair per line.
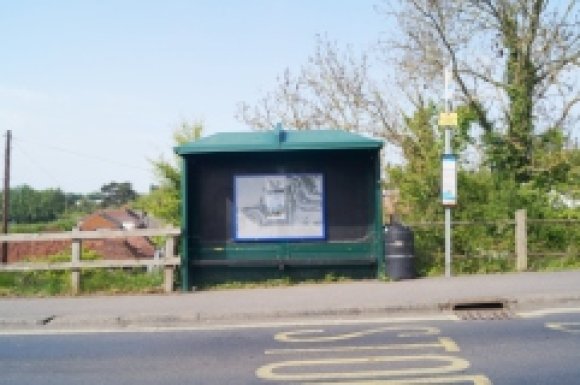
x,y
482,196
116,194
28,205
515,63
163,201
335,89
419,178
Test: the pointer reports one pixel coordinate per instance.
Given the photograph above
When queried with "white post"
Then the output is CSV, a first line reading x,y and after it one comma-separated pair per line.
x,y
169,269
521,241
76,271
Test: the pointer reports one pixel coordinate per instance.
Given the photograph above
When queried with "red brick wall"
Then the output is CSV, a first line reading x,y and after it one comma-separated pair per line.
x,y
123,248
18,251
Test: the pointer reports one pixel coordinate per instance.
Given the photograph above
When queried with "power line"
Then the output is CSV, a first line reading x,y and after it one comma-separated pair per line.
x,y
36,164
84,155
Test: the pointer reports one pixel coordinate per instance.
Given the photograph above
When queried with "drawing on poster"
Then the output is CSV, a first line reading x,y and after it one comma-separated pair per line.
x,y
279,206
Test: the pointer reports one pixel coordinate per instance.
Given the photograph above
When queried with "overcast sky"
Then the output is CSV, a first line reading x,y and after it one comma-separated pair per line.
x,y
93,88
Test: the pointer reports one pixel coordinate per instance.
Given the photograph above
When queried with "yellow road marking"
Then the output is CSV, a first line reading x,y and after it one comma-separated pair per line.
x,y
271,371
477,379
406,331
446,343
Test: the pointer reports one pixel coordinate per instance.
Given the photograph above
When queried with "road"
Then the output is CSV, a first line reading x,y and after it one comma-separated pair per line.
x,y
530,348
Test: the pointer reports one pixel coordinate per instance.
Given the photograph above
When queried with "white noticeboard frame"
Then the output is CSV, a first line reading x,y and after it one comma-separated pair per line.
x,y
279,207
449,180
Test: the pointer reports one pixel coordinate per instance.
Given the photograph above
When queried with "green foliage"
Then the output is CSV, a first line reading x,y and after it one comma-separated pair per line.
x,y
418,179
28,205
115,194
488,200
93,281
85,203
567,262
135,280
163,201
295,278
37,283
554,165
53,226
47,210
65,222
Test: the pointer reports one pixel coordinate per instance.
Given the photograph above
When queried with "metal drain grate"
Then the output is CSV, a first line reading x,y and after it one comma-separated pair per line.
x,y
482,310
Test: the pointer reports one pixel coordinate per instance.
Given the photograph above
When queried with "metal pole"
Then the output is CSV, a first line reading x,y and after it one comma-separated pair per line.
x,y
447,151
447,216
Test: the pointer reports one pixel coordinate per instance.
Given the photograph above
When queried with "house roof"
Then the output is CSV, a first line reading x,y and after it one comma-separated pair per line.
x,y
121,216
115,219
278,140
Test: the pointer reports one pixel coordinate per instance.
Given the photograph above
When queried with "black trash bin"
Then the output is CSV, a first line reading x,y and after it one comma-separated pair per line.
x,y
399,252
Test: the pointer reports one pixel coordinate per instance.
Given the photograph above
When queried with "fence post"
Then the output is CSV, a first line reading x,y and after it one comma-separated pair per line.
x,y
75,261
521,241
169,269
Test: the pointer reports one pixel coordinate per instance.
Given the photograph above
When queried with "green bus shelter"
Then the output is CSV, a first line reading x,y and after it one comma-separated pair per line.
x,y
260,202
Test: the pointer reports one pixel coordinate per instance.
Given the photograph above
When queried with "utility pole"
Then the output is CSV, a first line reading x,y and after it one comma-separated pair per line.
x,y
6,202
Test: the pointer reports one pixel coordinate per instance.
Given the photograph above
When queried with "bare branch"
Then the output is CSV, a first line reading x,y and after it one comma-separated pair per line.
x,y
333,90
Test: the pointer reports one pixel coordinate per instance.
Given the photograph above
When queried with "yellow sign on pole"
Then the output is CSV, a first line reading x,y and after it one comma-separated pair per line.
x,y
448,119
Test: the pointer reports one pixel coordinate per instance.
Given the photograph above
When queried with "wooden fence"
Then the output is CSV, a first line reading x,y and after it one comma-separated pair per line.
x,y
169,261
522,224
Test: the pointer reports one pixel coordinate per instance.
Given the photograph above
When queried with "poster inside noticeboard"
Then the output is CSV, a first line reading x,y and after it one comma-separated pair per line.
x,y
279,206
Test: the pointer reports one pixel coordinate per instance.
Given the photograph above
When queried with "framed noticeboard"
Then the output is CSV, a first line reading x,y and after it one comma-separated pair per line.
x,y
279,206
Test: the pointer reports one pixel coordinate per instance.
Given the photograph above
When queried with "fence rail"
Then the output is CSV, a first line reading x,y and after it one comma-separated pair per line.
x,y
94,234
521,223
168,262
463,223
171,260
493,222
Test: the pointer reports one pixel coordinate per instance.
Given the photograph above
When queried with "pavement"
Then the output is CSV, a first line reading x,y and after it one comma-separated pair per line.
x,y
341,300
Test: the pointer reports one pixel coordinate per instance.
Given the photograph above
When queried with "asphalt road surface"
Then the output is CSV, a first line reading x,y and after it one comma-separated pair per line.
x,y
533,348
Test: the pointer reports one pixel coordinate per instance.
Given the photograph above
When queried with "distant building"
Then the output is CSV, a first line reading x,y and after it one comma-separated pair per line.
x,y
113,219
121,248
124,219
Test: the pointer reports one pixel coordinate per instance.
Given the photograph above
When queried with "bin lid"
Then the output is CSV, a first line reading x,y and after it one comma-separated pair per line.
x,y
397,230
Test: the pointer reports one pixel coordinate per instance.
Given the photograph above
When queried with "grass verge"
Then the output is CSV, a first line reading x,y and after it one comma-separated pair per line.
x,y
93,281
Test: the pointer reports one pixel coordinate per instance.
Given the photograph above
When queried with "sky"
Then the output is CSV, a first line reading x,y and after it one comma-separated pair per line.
x,y
93,89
